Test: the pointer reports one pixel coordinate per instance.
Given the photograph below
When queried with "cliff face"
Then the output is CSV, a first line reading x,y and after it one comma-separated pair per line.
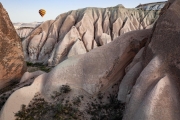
x,y
12,65
87,28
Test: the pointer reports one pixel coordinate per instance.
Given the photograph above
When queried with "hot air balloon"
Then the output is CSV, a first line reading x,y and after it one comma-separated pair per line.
x,y
42,12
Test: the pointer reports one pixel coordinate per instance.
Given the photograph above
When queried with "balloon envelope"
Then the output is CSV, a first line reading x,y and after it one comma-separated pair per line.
x,y
42,12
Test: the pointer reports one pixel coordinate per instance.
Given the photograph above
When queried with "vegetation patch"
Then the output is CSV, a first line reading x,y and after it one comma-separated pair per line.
x,y
60,109
64,108
38,66
112,110
9,87
63,89
3,99
22,38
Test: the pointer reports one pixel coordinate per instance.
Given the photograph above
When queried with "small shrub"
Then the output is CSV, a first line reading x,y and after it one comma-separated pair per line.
x,y
65,89
113,110
77,100
100,96
62,90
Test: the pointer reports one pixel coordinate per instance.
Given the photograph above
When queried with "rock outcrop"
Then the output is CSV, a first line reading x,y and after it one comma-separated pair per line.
x,y
12,65
90,73
150,87
51,42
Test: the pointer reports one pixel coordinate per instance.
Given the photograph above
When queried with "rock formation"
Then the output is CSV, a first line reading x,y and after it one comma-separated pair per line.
x,y
52,41
143,64
86,74
150,87
12,65
24,29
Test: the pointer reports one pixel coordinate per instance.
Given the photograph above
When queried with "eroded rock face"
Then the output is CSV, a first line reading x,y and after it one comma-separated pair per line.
x,y
152,93
50,43
92,72
24,32
12,65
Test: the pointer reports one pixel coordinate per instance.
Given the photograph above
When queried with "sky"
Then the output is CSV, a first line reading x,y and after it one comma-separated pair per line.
x,y
27,10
